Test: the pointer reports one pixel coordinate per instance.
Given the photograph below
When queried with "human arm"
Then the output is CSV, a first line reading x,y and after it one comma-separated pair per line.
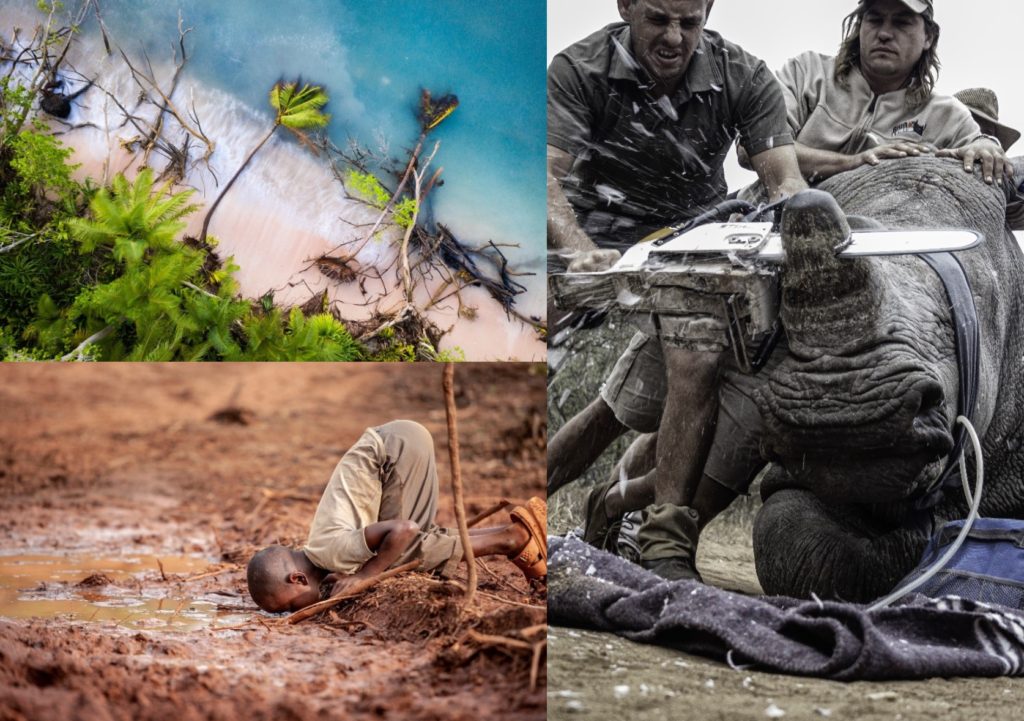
x,y
778,171
765,138
573,108
564,232
817,164
388,540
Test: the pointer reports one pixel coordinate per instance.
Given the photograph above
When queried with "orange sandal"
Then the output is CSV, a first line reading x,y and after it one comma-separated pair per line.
x,y
532,559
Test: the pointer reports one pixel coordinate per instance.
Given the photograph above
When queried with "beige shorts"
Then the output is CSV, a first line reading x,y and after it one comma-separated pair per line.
x,y
410,492
636,391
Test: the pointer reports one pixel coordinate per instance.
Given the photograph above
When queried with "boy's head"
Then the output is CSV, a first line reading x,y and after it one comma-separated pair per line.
x,y
282,579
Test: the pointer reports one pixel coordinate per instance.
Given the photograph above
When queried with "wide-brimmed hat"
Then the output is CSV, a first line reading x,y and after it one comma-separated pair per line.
x,y
921,7
984,106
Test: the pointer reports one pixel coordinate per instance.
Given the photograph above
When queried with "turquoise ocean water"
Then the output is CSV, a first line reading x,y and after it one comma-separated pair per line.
x,y
373,57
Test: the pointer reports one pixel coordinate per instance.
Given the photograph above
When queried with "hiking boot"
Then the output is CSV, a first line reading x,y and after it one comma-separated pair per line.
x,y
680,568
532,559
601,531
668,541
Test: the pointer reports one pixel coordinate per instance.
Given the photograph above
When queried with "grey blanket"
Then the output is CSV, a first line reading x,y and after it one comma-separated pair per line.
x,y
919,638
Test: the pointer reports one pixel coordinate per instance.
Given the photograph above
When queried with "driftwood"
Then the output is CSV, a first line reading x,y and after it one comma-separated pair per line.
x,y
425,253
464,259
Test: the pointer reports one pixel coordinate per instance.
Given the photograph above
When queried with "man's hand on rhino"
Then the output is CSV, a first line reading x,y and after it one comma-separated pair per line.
x,y
994,164
592,261
889,151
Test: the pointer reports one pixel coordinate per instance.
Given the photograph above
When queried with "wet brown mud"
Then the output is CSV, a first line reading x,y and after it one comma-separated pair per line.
x,y
125,490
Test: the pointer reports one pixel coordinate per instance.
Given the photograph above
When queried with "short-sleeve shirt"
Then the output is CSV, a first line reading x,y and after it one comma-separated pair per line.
x,y
350,503
851,119
643,161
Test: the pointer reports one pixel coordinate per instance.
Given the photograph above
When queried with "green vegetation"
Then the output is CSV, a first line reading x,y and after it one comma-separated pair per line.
x,y
104,274
38,198
167,300
366,187
405,212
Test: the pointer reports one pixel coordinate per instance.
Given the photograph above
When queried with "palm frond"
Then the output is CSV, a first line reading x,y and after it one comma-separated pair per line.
x,y
299,109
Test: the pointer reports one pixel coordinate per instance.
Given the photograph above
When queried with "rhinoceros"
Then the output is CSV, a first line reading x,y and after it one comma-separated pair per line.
x,y
860,416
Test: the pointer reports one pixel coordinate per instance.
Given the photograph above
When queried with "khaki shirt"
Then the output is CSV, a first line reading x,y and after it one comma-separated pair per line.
x,y
849,120
350,502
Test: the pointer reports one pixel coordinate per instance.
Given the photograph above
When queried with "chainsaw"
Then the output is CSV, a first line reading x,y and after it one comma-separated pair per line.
x,y
730,267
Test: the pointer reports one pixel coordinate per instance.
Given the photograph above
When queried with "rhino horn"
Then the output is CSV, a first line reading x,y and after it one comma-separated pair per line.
x,y
823,296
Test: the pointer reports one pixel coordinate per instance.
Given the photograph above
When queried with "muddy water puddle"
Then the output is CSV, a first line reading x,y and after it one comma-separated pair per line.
x,y
103,589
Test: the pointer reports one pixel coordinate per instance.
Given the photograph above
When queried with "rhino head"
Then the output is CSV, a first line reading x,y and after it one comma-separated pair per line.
x,y
860,415
861,410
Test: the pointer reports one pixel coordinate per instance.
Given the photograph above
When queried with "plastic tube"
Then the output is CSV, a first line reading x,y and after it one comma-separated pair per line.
x,y
974,503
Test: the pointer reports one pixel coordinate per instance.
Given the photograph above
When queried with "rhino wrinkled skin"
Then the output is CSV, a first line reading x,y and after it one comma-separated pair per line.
x,y
860,416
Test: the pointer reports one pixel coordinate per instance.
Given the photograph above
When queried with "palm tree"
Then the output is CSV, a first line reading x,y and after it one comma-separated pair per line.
x,y
297,110
132,219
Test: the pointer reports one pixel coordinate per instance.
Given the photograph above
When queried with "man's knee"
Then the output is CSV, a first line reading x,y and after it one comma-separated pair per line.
x,y
693,376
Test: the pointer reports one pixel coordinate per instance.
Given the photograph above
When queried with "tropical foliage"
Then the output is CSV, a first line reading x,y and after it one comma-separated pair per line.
x,y
166,300
296,109
90,273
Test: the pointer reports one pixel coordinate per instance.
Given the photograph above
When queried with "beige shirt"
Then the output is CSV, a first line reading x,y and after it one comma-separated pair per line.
x,y
350,502
849,120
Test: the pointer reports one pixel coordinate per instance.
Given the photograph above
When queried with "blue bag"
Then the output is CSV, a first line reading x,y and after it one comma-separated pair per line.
x,y
988,567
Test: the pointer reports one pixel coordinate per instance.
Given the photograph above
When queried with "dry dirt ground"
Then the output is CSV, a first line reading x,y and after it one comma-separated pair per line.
x,y
211,462
600,677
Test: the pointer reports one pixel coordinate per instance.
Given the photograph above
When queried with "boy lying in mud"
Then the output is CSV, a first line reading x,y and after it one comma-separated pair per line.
x,y
377,512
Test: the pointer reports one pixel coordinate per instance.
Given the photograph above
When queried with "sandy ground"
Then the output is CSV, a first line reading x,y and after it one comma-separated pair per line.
x,y
601,677
129,460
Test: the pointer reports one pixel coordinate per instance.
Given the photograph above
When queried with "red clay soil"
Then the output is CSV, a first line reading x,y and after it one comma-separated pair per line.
x,y
217,461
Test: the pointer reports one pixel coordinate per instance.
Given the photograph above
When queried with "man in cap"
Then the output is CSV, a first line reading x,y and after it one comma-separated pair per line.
x,y
641,115
984,106
875,99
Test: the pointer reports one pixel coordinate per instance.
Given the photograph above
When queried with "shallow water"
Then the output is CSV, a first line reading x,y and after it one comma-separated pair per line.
x,y
49,586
